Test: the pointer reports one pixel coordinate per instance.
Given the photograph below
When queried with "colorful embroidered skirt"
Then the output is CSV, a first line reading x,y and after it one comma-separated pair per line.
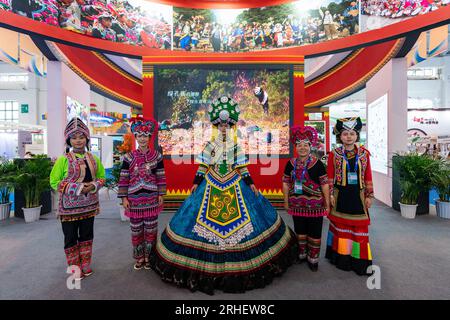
x,y
224,237
348,247
143,204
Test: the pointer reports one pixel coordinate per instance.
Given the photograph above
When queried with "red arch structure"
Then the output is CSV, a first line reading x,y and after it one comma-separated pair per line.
x,y
394,31
346,77
370,51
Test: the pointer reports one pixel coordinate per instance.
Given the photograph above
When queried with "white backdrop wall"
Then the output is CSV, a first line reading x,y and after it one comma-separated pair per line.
x,y
390,80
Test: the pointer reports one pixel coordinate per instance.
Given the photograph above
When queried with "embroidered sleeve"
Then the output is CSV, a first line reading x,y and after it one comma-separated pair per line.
x,y
200,175
124,178
368,190
58,173
287,176
205,156
245,174
330,172
100,175
241,166
241,158
322,173
160,176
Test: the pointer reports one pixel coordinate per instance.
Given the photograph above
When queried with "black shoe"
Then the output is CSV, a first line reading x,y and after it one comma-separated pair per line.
x,y
313,266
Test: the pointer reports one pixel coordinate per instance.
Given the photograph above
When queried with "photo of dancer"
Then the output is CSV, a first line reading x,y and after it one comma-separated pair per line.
x,y
400,8
379,13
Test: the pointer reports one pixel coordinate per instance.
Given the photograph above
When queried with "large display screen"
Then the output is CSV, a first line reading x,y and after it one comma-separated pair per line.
x,y
76,109
182,98
108,123
377,134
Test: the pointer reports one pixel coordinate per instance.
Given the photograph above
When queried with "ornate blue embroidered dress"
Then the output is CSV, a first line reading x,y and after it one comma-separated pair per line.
x,y
224,236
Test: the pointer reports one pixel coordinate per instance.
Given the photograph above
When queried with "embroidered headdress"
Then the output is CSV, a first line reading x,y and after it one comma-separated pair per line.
x,y
224,110
76,125
343,124
140,125
304,134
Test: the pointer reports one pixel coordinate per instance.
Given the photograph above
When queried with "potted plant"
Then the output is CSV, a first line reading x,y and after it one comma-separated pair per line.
x,y
33,179
440,180
7,172
414,177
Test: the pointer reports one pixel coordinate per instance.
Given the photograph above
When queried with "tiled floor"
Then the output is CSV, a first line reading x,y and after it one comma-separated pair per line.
x,y
413,256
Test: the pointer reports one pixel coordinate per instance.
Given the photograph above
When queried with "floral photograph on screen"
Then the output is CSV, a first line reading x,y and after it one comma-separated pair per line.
x,y
183,96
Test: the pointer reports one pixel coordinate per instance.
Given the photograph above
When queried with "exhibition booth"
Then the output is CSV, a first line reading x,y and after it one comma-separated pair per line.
x,y
224,147
316,62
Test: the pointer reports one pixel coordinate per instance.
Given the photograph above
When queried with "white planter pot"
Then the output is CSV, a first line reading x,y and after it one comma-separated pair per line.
x,y
5,211
123,217
443,209
32,214
408,211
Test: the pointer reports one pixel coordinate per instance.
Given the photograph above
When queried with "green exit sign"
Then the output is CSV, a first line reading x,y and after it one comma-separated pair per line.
x,y
24,108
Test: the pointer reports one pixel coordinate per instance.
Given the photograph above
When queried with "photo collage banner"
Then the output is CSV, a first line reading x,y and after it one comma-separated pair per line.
x,y
154,25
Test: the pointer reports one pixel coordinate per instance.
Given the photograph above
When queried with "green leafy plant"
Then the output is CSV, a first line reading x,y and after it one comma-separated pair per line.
x,y
414,175
440,179
7,171
33,179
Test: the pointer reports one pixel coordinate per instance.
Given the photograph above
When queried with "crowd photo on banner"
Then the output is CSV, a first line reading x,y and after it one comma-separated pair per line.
x,y
113,20
291,24
144,23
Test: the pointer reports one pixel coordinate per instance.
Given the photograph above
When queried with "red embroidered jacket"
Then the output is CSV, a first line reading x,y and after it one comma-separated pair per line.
x,y
337,169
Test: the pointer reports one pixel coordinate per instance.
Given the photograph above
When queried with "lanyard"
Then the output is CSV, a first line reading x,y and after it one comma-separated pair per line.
x,y
304,169
346,160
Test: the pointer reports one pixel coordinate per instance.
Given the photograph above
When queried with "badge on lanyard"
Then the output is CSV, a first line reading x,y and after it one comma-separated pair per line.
x,y
298,184
298,187
352,176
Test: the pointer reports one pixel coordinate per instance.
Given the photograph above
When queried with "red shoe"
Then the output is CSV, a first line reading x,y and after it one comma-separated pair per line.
x,y
87,272
138,265
85,257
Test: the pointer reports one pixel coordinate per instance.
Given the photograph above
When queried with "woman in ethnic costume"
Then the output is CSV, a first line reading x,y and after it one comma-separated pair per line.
x,y
351,189
78,175
226,235
142,186
306,194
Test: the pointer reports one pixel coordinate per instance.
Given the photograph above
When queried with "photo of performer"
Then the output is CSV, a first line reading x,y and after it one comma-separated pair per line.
x,y
78,176
351,194
225,235
142,185
306,194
